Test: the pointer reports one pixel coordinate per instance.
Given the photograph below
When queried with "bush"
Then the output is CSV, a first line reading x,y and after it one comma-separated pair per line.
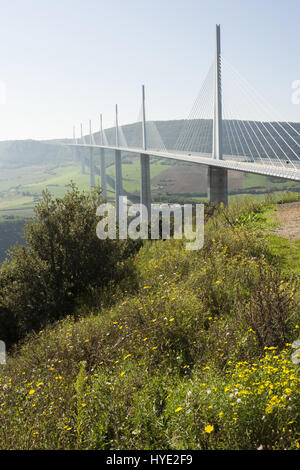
x,y
63,259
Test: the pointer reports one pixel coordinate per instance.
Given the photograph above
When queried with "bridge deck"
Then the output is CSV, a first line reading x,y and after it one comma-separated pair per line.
x,y
236,163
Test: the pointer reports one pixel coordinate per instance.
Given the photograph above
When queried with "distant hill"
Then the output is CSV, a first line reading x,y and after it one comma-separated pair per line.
x,y
19,153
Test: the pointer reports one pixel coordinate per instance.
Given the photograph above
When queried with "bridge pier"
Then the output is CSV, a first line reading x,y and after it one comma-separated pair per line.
x,y
218,185
103,173
82,165
145,192
118,184
92,169
82,159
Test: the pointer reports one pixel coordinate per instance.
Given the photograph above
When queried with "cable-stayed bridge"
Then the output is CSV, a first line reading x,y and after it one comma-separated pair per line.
x,y
217,133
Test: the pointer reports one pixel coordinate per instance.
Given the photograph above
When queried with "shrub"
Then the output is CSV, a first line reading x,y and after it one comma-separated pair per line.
x,y
63,259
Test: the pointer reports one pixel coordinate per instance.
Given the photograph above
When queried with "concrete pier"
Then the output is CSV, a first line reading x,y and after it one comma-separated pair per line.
x,y
82,156
92,169
145,195
218,185
118,184
103,173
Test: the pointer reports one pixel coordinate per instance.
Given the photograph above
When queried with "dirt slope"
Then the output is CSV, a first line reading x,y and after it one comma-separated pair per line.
x,y
288,215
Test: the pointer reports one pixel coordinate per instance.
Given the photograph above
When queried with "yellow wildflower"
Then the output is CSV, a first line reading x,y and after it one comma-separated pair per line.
x,y
178,409
208,429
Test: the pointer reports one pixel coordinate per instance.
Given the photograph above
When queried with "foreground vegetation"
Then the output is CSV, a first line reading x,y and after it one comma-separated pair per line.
x,y
184,350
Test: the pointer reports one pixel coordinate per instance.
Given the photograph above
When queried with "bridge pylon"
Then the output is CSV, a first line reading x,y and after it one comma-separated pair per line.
x,y
82,156
217,177
92,169
102,163
145,191
118,167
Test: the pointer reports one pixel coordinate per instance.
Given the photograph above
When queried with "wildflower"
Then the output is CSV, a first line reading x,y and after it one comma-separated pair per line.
x,y
178,409
122,373
31,392
208,429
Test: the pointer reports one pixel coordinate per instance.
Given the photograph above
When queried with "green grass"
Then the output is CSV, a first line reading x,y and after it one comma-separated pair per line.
x,y
17,202
32,181
20,193
131,173
252,180
58,182
197,356
287,252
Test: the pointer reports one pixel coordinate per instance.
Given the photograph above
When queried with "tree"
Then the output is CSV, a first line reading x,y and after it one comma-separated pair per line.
x,y
62,258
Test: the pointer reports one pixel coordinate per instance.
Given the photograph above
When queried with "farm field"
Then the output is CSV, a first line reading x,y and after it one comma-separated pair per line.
x,y
21,188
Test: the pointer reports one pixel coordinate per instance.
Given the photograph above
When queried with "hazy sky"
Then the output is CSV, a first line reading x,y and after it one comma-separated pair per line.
x,y
63,62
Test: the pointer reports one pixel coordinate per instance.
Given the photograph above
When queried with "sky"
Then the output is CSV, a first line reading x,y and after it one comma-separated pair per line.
x,y
63,62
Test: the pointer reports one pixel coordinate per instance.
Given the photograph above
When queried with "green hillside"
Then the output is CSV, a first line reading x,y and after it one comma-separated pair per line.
x,y
186,350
